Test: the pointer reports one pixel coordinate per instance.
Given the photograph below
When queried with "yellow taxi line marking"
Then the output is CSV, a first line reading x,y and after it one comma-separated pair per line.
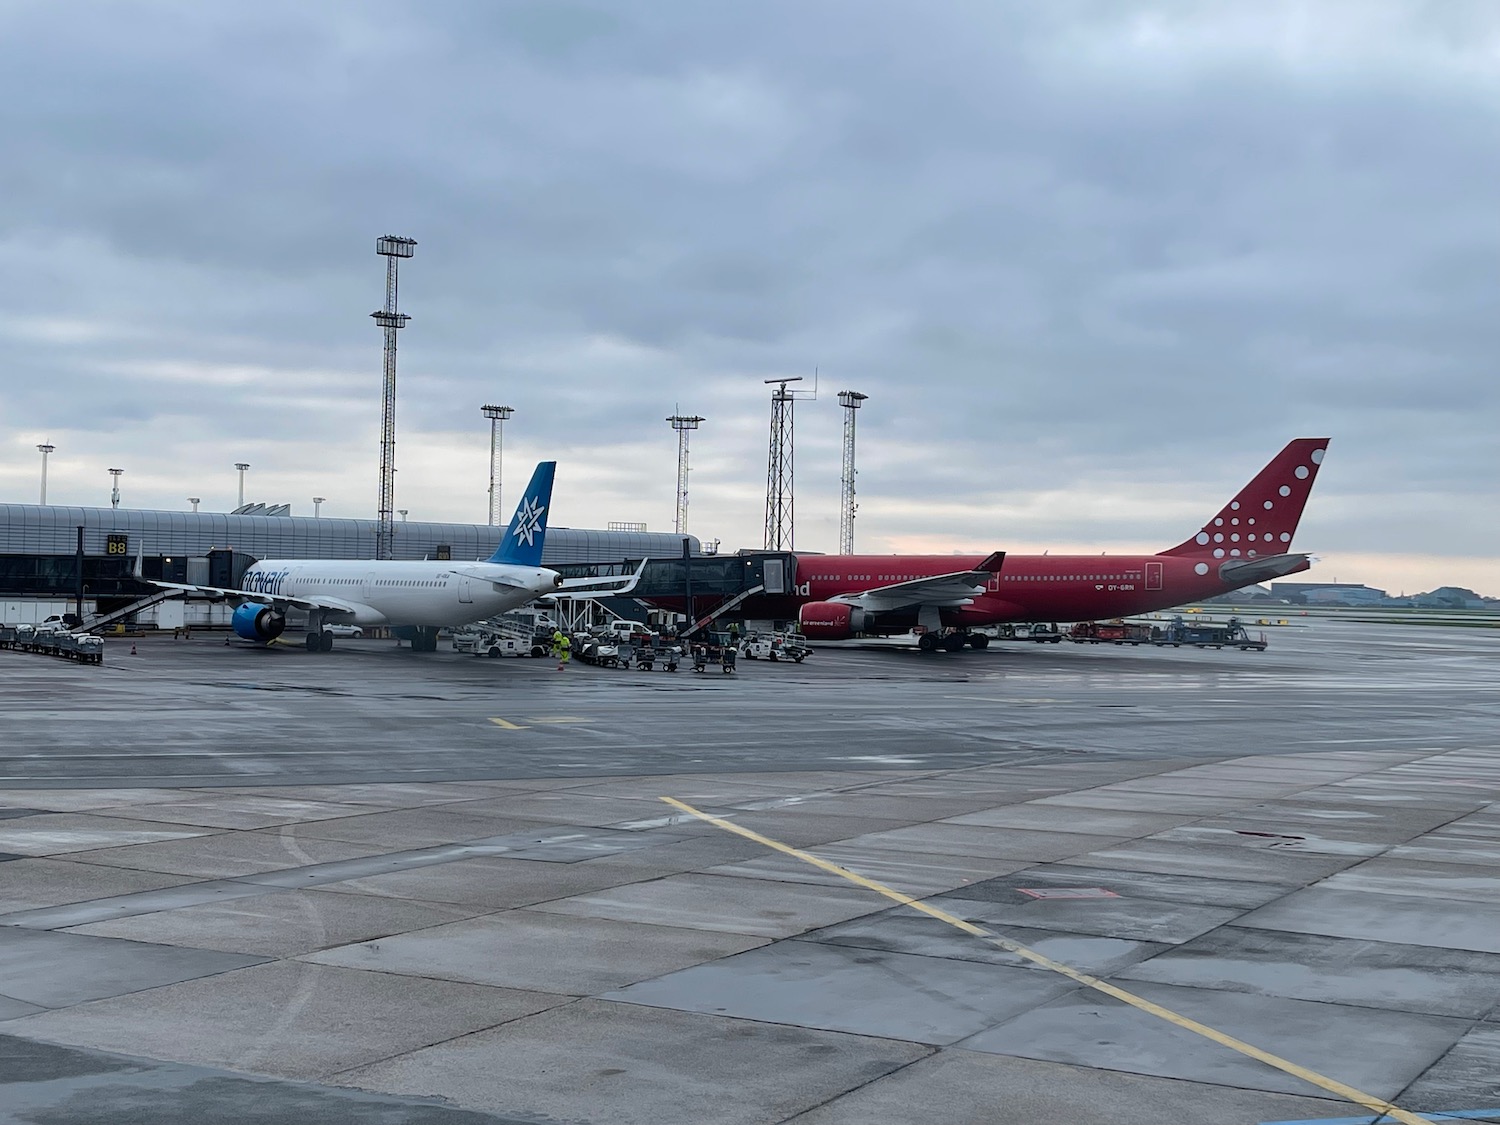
x,y
507,724
1332,1085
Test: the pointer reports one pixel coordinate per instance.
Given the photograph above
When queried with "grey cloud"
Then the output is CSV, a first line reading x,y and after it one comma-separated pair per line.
x,y
1104,245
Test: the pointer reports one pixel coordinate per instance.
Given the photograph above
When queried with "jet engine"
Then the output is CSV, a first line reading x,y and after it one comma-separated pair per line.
x,y
831,621
257,622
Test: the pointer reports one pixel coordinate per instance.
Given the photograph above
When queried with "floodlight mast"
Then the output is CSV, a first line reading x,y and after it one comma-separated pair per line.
x,y
684,424
242,466
851,401
780,478
44,449
497,416
393,248
318,502
114,495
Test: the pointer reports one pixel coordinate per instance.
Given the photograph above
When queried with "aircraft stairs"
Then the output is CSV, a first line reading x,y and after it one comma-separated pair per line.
x,y
511,627
102,620
727,607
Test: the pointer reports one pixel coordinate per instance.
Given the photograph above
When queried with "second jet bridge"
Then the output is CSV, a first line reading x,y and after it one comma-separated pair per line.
x,y
700,585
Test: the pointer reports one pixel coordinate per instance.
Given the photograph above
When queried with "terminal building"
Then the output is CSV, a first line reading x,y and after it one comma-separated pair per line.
x,y
121,549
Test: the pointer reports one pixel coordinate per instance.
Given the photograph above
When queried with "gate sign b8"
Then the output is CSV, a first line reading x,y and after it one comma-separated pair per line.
x,y
117,545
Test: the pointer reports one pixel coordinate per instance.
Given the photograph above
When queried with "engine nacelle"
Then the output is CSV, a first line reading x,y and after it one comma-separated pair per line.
x,y
257,622
831,621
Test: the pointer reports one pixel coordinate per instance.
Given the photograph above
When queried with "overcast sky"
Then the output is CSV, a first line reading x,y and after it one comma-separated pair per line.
x,y
1093,262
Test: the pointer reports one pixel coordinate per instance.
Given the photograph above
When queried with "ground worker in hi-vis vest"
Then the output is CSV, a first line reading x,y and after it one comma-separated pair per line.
x,y
562,648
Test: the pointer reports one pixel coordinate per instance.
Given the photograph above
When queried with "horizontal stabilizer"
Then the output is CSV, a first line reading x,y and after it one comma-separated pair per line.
x,y
1248,572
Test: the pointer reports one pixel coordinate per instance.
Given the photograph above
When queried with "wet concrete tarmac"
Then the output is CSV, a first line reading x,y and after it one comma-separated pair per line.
x,y
274,887
235,715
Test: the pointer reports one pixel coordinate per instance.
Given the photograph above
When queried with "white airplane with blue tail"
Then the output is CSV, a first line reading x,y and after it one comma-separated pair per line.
x,y
414,599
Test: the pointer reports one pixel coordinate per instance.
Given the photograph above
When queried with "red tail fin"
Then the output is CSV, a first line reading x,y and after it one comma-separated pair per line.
x,y
1262,519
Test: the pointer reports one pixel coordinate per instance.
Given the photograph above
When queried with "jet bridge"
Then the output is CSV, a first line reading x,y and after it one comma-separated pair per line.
x,y
704,587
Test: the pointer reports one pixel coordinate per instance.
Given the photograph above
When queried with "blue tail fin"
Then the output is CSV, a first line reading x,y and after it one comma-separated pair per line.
x,y
522,543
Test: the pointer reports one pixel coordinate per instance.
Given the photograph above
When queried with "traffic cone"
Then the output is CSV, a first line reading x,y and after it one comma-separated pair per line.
x,y
132,650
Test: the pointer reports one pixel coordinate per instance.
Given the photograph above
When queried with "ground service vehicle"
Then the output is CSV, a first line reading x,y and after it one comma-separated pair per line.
x,y
1208,634
1116,632
774,647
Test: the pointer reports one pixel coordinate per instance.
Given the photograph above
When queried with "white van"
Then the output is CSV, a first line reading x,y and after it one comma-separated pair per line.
x,y
627,628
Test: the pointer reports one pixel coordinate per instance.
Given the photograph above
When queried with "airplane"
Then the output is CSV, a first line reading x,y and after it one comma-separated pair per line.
x,y
943,598
415,598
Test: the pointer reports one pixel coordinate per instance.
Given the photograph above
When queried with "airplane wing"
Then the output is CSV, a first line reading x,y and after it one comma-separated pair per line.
x,y
956,589
275,601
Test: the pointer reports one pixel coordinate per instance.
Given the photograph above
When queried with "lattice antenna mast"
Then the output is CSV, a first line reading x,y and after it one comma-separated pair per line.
x,y
393,249
684,424
851,401
780,475
497,416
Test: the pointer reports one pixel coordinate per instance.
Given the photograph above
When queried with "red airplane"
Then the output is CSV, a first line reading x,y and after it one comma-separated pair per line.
x,y
943,597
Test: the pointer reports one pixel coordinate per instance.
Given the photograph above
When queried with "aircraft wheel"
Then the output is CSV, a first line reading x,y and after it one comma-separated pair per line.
x,y
325,642
953,642
978,640
313,642
927,643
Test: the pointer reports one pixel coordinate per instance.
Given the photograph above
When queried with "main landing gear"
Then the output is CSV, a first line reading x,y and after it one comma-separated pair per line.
x,y
318,639
424,639
951,642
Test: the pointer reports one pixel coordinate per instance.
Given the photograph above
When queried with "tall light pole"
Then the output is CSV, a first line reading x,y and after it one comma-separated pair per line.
x,y
194,501
779,475
851,401
497,416
403,514
44,449
393,249
243,467
318,506
114,495
684,424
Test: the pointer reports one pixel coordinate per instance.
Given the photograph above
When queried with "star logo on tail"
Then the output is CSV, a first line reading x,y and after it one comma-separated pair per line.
x,y
529,521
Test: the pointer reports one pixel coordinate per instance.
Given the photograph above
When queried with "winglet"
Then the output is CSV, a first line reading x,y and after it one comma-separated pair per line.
x,y
993,563
1263,516
522,543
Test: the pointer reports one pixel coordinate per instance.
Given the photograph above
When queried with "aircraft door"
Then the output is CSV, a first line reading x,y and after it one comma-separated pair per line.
x,y
465,590
773,575
367,587
1153,576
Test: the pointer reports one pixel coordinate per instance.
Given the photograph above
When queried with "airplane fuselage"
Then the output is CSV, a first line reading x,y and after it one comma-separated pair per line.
x,y
1031,587
403,593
